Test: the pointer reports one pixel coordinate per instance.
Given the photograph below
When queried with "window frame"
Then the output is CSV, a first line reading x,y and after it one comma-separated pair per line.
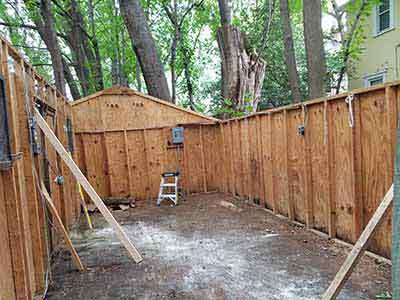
x,y
370,77
376,19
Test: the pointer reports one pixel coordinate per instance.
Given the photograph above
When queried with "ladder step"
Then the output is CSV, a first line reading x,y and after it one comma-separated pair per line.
x,y
167,195
168,184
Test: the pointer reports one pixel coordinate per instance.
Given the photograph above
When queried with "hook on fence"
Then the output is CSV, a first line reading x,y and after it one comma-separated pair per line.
x,y
349,100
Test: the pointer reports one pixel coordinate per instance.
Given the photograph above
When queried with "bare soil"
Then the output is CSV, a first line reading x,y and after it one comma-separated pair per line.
x,y
211,246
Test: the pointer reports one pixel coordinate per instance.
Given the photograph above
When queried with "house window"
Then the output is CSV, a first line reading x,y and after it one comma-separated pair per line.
x,y
384,16
374,79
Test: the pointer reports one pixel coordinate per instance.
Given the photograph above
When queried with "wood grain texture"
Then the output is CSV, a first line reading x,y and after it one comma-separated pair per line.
x,y
59,223
359,247
328,179
87,187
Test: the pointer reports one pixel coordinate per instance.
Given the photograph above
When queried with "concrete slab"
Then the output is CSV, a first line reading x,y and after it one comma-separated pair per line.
x,y
208,249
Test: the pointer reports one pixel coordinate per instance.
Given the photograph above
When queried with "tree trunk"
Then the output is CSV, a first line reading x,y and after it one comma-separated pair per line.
x,y
225,11
346,38
47,31
314,43
98,70
123,76
78,54
71,81
114,36
174,49
94,63
187,73
172,67
242,74
138,78
145,49
290,58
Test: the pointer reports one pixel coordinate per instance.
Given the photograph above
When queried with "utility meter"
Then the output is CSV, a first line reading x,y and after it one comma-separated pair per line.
x,y
177,135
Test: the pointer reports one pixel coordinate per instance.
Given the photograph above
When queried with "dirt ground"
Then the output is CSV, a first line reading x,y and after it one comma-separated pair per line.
x,y
206,248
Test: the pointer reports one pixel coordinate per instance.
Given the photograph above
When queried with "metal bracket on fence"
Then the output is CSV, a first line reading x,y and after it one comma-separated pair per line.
x,y
349,100
301,129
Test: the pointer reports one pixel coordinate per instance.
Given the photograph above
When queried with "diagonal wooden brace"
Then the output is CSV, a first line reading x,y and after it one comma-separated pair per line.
x,y
82,180
359,248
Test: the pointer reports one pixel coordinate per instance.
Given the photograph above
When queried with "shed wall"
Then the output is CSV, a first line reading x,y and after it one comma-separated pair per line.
x,y
115,112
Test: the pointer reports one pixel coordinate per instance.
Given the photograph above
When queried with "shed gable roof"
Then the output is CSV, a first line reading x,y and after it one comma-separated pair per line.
x,y
120,90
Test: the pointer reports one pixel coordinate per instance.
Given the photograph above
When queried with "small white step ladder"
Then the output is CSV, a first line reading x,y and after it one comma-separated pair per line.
x,y
171,187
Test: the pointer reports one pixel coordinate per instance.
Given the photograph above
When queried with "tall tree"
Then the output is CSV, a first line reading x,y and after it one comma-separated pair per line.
x,y
350,33
242,72
177,19
289,52
45,25
314,44
145,49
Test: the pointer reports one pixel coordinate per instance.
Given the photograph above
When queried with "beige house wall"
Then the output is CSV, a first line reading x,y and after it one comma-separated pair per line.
x,y
379,54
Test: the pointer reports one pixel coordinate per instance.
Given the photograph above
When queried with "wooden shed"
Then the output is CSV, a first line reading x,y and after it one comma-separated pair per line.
x,y
123,108
123,144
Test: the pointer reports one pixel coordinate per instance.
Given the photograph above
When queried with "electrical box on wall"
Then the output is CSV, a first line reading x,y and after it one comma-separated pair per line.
x,y
177,135
5,148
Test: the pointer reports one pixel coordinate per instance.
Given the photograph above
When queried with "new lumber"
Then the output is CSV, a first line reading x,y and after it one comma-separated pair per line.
x,y
87,187
85,209
359,248
59,223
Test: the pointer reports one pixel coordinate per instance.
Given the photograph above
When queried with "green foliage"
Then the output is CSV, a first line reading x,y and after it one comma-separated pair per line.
x,y
384,295
197,45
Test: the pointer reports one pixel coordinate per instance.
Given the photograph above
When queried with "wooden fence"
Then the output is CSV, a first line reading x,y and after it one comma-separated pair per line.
x,y
302,161
307,162
25,239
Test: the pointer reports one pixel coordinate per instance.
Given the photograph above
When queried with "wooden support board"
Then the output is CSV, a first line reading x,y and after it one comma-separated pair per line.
x,y
87,187
359,248
60,225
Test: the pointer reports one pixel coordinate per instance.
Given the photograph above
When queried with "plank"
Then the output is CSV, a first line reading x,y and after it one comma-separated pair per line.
x,y
296,160
203,163
87,187
279,156
11,181
318,164
359,248
224,159
117,165
7,286
128,163
307,171
25,95
331,211
139,184
356,145
377,169
59,223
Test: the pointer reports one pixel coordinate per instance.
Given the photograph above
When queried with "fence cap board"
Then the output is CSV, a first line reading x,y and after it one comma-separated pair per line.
x,y
317,100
